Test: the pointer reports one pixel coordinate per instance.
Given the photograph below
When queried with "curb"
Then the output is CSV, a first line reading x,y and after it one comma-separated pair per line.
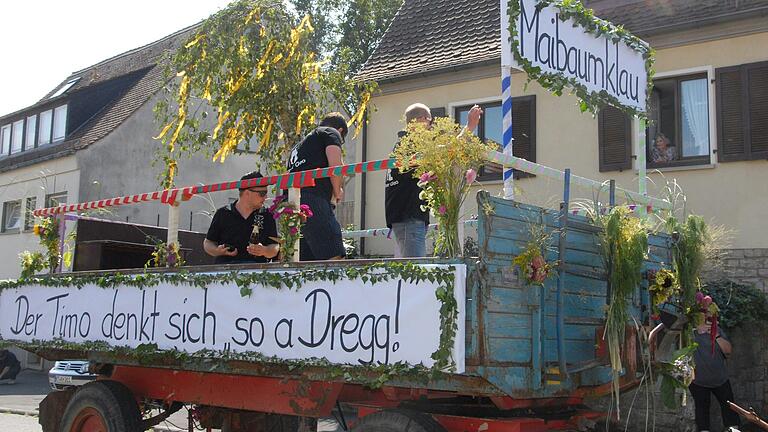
x,y
30,413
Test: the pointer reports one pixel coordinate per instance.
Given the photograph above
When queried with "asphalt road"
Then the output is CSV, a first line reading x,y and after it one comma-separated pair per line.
x,y
19,402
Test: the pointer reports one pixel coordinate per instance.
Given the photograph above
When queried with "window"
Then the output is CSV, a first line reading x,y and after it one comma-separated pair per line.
x,y
5,138
742,112
11,215
29,219
490,128
46,120
59,123
17,138
55,199
678,133
31,130
65,87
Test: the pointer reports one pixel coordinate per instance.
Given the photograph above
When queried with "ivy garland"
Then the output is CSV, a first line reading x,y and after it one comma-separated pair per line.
x,y
372,273
588,100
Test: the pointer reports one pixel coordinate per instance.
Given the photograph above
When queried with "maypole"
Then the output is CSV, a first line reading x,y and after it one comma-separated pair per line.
x,y
506,97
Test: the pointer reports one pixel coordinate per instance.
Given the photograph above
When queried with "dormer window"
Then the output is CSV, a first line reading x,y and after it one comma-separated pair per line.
x,y
65,87
59,123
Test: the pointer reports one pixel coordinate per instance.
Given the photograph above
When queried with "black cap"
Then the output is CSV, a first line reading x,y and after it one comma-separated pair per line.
x,y
251,175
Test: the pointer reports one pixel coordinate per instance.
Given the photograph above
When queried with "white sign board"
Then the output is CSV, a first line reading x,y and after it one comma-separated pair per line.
x,y
347,322
566,49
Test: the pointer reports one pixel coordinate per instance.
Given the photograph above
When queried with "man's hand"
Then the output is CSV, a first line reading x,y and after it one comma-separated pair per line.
x,y
338,196
257,249
223,251
473,118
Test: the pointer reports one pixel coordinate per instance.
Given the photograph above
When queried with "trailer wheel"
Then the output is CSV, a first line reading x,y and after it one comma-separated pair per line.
x,y
398,420
101,406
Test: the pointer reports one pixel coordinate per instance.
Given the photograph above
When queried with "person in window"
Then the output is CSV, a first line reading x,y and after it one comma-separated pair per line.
x,y
662,151
402,205
243,231
711,376
321,148
9,367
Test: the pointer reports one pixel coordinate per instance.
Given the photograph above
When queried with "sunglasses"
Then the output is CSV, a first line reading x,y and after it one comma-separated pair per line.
x,y
263,193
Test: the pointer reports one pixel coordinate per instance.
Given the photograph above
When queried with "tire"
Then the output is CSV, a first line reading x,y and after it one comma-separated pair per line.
x,y
101,406
398,420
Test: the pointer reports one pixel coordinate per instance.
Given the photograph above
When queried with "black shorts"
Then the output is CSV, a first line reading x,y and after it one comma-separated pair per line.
x,y
321,235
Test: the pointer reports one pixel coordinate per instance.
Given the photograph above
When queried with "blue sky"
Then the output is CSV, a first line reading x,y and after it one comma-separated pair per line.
x,y
43,42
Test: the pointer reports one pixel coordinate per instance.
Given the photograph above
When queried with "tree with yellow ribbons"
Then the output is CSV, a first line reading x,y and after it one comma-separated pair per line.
x,y
251,67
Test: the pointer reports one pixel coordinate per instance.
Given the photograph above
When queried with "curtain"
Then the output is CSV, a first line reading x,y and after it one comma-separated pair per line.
x,y
696,115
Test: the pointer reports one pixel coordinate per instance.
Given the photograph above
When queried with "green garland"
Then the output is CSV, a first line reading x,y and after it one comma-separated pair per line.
x,y
588,100
369,274
373,376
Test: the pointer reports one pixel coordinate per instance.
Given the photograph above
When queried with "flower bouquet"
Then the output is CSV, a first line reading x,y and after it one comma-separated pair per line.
x,y
534,268
48,232
706,310
662,286
290,218
445,161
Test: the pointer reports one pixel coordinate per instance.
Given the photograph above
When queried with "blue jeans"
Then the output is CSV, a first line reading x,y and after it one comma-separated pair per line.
x,y
410,237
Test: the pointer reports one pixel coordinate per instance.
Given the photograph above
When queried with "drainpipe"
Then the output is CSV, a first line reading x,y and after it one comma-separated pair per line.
x,y
363,182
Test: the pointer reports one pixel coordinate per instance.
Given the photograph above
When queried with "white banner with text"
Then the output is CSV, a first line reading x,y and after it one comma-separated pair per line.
x,y
566,49
346,322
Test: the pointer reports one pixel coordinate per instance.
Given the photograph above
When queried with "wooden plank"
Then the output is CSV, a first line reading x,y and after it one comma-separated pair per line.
x,y
509,350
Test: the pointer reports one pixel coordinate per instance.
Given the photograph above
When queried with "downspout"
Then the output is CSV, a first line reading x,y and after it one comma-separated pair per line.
x,y
363,181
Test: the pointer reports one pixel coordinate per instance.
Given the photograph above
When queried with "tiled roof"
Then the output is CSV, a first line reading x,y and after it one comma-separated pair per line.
x,y
144,68
432,35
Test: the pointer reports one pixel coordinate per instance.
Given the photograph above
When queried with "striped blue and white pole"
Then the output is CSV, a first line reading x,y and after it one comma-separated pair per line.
x,y
506,109
506,99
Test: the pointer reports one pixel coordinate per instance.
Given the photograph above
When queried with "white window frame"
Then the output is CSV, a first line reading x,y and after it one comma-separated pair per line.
x,y
5,131
31,127
40,130
29,219
20,223
54,123
17,134
710,71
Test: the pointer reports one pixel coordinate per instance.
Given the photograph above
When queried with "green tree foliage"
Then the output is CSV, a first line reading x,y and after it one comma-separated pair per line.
x,y
739,304
252,67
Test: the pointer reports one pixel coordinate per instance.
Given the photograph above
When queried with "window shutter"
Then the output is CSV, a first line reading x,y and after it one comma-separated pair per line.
x,y
731,124
757,103
524,130
438,112
614,139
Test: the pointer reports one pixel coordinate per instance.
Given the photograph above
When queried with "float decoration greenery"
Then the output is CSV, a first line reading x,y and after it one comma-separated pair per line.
x,y
624,247
369,274
290,219
532,265
445,159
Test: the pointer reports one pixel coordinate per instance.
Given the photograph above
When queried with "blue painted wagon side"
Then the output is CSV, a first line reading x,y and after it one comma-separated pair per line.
x,y
511,326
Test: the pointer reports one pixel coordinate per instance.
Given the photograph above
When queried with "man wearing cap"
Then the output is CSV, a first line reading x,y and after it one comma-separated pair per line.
x,y
243,231
321,148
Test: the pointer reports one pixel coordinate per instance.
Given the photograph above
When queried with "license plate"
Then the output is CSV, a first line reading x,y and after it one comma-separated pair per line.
x,y
63,380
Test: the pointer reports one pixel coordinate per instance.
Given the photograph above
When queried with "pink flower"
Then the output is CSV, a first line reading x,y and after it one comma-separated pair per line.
x,y
294,230
699,297
308,213
443,209
427,177
471,176
706,301
287,210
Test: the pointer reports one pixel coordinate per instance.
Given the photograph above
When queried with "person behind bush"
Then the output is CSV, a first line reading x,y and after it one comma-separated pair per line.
x,y
402,206
711,377
9,367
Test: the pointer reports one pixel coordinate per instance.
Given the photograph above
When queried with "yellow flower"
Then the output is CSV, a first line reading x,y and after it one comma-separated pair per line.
x,y
36,229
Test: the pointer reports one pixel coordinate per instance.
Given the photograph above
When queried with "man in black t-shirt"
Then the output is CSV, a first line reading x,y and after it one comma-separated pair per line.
x,y
321,148
9,367
243,231
402,205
